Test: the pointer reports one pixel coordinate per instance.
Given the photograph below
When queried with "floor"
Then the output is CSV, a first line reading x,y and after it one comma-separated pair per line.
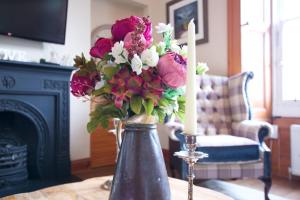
x,y
281,187
94,172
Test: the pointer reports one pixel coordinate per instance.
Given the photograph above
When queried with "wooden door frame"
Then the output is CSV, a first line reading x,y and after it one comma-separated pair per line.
x,y
234,37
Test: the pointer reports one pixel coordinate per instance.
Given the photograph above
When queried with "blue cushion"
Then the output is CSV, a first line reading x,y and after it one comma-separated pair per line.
x,y
225,148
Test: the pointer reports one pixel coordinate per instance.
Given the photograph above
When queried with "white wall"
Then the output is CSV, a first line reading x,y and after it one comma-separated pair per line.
x,y
108,11
77,41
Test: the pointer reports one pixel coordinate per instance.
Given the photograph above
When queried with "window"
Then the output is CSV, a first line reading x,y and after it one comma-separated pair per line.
x,y
286,58
255,23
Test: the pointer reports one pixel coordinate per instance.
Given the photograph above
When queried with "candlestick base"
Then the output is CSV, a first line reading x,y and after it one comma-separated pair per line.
x,y
190,156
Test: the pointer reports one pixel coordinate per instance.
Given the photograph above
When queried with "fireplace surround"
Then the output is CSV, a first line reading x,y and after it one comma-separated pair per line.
x,y
34,107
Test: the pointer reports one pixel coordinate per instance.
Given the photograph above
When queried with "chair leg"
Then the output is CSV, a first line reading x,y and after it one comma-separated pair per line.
x,y
268,184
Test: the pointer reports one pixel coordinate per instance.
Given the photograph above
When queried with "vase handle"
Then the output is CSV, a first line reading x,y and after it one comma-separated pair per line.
x,y
118,127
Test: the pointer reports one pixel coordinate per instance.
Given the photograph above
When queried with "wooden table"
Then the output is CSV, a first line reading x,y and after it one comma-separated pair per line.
x,y
90,190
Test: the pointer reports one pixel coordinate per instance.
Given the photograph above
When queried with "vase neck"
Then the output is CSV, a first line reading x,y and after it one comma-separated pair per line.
x,y
139,127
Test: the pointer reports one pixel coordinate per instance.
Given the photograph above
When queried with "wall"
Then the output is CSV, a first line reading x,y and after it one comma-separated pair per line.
x,y
108,11
77,41
281,147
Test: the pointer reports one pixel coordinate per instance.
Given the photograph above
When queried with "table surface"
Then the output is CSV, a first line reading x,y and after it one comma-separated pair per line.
x,y
90,190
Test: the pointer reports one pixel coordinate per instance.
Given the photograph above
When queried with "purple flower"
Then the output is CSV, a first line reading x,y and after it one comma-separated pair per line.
x,y
172,70
101,48
82,85
125,84
153,86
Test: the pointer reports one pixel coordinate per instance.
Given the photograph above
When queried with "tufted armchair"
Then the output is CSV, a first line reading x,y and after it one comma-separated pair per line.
x,y
234,142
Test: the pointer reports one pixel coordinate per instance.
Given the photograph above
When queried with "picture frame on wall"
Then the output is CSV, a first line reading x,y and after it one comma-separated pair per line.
x,y
181,12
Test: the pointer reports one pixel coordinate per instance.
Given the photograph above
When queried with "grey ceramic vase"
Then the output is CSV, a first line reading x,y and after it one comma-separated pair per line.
x,y
140,172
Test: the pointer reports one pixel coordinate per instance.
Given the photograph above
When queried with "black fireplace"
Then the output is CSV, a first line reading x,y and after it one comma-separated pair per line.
x,y
34,126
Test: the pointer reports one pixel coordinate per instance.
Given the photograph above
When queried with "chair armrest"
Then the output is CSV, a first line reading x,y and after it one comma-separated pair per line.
x,y
255,130
174,126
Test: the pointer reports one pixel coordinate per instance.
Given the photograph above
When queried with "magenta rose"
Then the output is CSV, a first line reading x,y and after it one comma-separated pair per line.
x,y
172,70
120,29
148,31
82,85
101,48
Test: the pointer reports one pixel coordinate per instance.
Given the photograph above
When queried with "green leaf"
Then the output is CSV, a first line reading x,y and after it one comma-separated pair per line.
x,y
102,114
100,65
181,99
161,115
172,93
107,57
92,124
109,72
167,38
104,89
180,115
82,72
136,104
163,102
201,68
148,105
79,61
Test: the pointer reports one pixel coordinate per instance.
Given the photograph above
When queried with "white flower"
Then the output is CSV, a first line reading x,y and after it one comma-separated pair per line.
x,y
183,51
150,57
175,47
162,28
136,64
119,52
117,49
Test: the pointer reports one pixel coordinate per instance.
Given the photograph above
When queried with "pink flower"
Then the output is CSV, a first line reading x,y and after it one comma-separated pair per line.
x,y
134,43
148,31
101,48
172,70
120,29
82,85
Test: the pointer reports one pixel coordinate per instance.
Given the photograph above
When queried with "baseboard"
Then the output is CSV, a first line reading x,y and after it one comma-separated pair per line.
x,y
79,165
85,163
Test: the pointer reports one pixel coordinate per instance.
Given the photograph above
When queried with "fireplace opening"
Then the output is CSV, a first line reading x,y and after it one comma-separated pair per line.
x,y
13,160
18,147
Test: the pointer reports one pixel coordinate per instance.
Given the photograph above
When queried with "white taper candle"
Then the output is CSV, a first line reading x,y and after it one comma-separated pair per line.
x,y
190,124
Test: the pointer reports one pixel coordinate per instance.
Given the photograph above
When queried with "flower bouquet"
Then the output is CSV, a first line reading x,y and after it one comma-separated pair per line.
x,y
135,80
130,75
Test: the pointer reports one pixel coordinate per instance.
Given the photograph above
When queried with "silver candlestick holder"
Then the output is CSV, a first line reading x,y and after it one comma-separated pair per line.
x,y
190,156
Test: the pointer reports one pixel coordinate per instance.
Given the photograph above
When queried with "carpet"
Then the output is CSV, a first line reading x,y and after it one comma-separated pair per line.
x,y
235,191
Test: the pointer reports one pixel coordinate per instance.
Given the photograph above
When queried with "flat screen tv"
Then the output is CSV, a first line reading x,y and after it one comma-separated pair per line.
x,y
41,20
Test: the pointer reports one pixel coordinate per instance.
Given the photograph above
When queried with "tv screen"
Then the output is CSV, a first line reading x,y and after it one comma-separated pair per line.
x,y
41,20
